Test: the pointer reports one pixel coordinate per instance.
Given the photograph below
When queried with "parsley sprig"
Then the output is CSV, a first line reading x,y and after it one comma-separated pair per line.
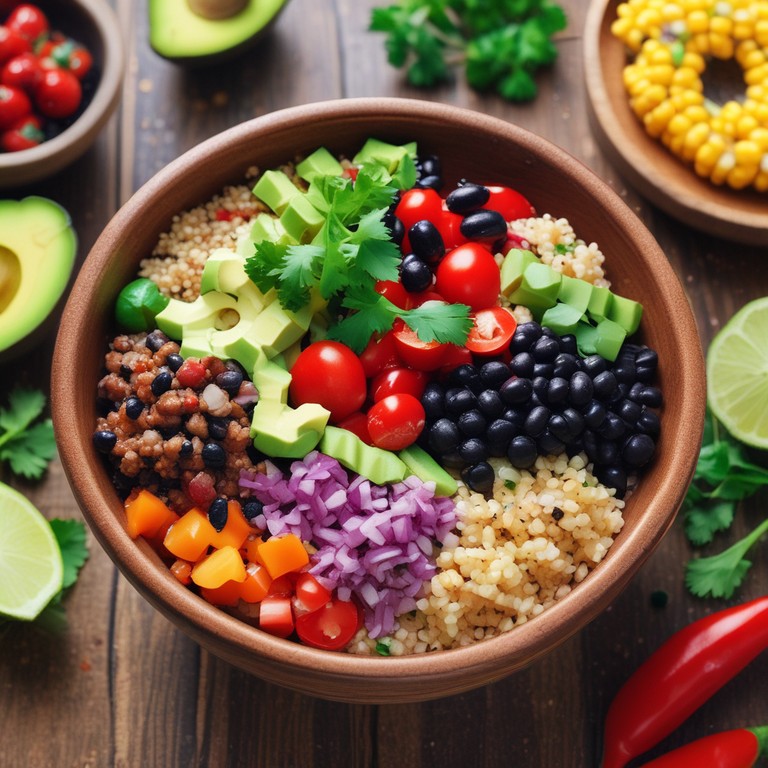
x,y
26,446
501,43
353,251
723,477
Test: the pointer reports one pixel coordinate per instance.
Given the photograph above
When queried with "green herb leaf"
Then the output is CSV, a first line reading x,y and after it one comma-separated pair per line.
x,y
438,321
71,537
27,447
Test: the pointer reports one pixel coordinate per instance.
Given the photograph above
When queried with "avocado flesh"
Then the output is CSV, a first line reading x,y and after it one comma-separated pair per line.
x,y
37,253
177,33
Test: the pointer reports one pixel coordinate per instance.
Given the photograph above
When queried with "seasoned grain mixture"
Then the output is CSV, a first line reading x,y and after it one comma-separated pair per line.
x,y
515,555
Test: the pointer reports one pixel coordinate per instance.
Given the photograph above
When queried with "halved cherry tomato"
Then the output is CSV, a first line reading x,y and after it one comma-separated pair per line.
x,y
59,93
469,275
456,356
331,374
311,595
415,353
396,421
509,203
397,381
492,330
276,616
330,627
29,21
379,354
394,291
283,586
357,424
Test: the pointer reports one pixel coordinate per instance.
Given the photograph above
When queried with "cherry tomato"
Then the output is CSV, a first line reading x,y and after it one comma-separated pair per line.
x,y
454,357
417,299
417,204
469,275
330,627
14,105
12,44
283,586
397,381
29,21
276,616
509,203
27,133
357,424
59,93
80,62
491,331
449,227
310,594
331,374
394,292
22,71
379,354
415,353
396,421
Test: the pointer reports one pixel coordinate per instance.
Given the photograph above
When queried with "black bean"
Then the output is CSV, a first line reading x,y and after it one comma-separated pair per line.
x,y
634,391
525,335
252,508
612,427
581,389
499,434
494,373
472,423
430,182
544,369
432,401
575,420
430,166
645,374
569,344
560,428
161,383
473,450
174,362
133,408
594,364
214,456
516,417
155,340
479,477
558,390
229,381
536,421
647,358
443,436
604,384
186,448
426,241
459,399
452,460
466,375
522,451
516,390
125,372
483,225
545,349
523,364
218,513
104,440
648,422
541,387
395,227
566,364
629,411
594,414
613,477
589,440
651,396
468,197
625,371
415,274
638,450
217,427
548,443
490,403
607,452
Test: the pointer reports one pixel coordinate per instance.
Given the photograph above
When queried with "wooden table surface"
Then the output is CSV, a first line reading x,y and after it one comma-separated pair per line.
x,y
123,687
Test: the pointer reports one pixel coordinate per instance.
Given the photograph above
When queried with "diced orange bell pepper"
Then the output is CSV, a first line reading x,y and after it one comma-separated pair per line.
x,y
227,594
256,585
182,570
251,547
236,530
282,554
190,536
220,566
146,514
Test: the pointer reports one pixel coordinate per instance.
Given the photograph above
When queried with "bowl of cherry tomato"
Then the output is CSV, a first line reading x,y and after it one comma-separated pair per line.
x,y
61,67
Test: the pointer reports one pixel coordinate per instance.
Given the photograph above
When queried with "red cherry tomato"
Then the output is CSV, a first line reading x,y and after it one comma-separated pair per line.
x,y
12,44
456,356
24,135
396,421
357,424
310,594
417,299
22,71
394,292
509,203
276,615
379,354
398,381
415,353
29,21
14,105
491,331
417,204
59,93
449,227
80,62
330,627
331,374
469,275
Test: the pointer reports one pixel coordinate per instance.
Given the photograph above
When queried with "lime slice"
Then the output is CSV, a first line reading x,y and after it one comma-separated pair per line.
x,y
31,570
737,374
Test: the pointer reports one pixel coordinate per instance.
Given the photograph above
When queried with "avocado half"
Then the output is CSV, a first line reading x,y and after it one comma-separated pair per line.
x,y
37,254
180,35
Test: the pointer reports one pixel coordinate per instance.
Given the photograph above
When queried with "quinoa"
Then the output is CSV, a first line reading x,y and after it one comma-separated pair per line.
x,y
515,555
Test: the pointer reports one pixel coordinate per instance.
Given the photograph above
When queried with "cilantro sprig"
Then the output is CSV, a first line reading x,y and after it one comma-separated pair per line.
x,y
723,477
352,252
501,43
27,442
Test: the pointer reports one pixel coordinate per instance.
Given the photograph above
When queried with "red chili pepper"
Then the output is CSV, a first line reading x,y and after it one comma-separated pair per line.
x,y
738,748
680,676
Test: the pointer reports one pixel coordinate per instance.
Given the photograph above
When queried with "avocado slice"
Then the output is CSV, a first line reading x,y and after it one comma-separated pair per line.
x,y
177,33
37,254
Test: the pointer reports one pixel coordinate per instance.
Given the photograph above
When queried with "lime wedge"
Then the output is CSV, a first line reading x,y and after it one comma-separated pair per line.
x,y
737,374
31,569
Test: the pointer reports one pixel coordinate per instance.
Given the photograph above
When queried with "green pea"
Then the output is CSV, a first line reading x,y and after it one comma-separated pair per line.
x,y
138,304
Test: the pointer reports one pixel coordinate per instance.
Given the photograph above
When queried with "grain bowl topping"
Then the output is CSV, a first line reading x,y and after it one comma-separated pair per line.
x,y
368,416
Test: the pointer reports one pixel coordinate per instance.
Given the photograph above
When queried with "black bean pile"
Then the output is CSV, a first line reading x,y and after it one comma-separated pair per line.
x,y
547,400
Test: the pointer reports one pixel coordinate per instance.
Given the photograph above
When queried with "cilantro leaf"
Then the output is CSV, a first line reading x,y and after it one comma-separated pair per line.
x,y
71,537
27,447
266,264
439,321
703,522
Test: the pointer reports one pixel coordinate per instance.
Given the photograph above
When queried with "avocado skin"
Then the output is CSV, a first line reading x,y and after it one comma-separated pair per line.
x,y
181,36
39,231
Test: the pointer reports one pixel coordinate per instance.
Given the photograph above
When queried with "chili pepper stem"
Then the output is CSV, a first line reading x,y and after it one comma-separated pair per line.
x,y
761,734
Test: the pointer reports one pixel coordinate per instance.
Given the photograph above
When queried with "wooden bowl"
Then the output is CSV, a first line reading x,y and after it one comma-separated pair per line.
x,y
647,164
93,23
470,145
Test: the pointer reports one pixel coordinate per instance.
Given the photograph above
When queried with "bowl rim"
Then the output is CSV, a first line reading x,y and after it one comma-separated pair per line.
x,y
104,101
514,647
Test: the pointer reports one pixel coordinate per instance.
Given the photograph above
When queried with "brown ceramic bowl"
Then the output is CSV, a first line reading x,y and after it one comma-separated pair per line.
x,y
93,23
470,145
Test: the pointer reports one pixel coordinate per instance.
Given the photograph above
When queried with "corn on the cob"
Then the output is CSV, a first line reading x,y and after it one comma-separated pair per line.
x,y
672,42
